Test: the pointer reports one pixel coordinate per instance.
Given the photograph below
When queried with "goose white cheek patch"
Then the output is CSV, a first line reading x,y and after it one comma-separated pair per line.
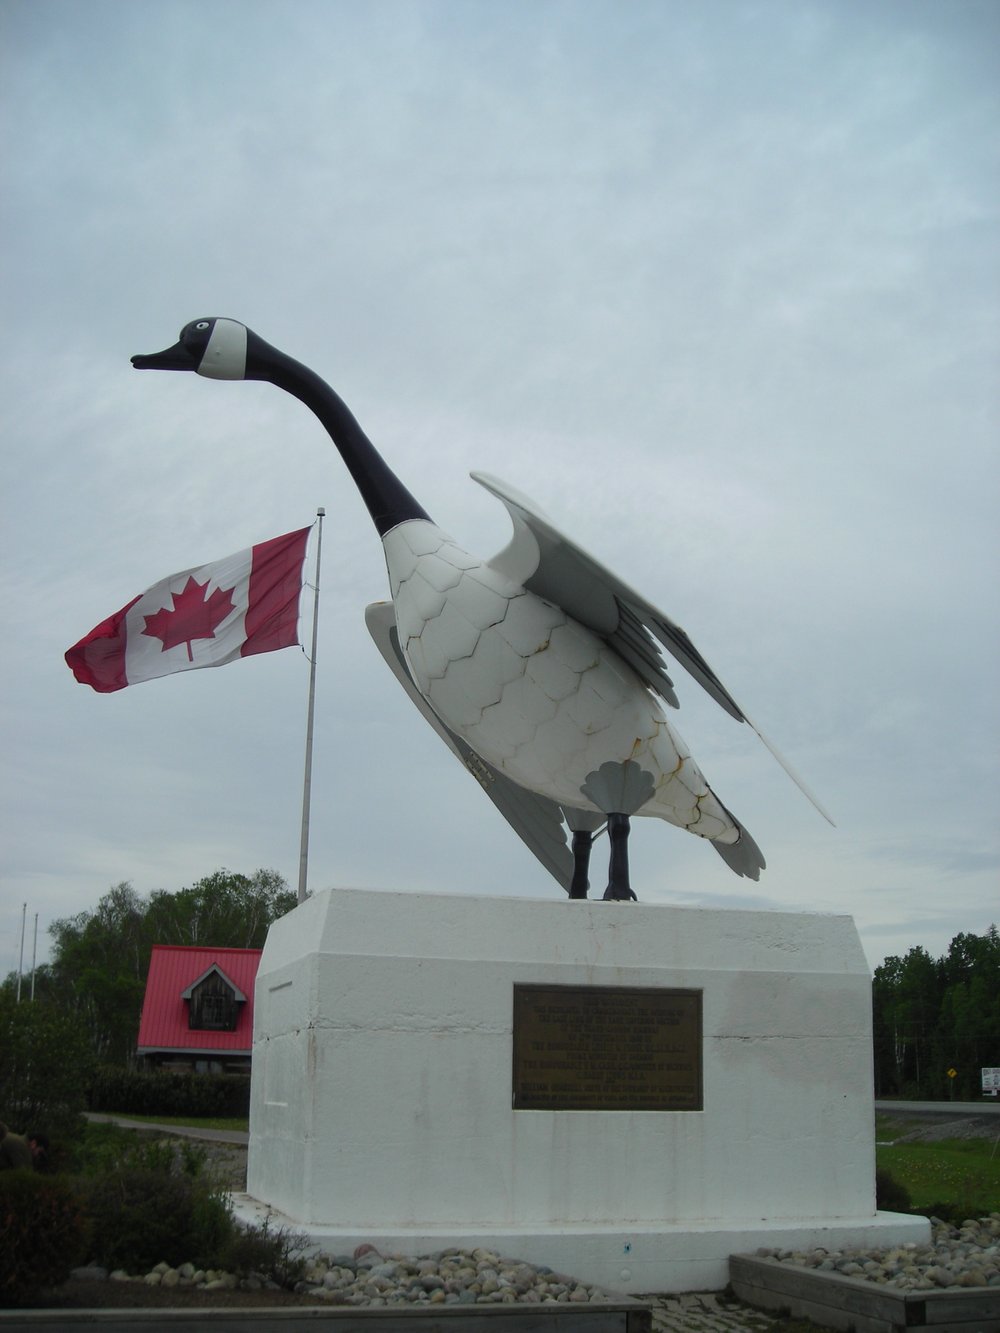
x,y
226,354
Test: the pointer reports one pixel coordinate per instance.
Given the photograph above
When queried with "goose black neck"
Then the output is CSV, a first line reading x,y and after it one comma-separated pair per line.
x,y
388,500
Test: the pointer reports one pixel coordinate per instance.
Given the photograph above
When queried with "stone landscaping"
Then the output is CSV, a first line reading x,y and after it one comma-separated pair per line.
x,y
368,1278
966,1256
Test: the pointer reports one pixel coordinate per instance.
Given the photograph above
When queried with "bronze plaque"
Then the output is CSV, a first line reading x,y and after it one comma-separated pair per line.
x,y
607,1048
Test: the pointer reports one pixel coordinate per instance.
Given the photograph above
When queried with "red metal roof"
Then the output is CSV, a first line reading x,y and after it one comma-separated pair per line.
x,y
172,969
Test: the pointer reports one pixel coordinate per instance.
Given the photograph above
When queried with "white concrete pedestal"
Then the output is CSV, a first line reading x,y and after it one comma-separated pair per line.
x,y
381,1096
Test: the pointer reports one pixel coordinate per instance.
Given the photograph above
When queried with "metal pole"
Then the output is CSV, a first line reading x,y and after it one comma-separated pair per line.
x,y
307,778
34,956
20,961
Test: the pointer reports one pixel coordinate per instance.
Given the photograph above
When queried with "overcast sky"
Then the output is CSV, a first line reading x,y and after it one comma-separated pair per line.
x,y
716,283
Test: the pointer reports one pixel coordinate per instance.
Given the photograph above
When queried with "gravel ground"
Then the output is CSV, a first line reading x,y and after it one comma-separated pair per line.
x,y
228,1164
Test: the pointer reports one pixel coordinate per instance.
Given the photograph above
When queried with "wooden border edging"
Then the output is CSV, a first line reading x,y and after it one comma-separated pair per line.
x,y
622,1315
851,1303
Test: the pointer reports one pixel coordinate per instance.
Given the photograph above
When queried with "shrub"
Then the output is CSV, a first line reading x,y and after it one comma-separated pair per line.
x,y
212,1228
141,1215
42,1234
275,1254
109,1147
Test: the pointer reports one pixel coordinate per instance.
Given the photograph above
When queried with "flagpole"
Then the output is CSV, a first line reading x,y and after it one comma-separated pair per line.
x,y
34,957
20,961
307,778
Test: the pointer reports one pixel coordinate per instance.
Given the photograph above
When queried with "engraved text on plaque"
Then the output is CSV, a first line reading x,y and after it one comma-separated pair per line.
x,y
607,1048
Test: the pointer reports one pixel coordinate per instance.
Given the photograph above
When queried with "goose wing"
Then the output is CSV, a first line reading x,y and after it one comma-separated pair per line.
x,y
538,822
551,565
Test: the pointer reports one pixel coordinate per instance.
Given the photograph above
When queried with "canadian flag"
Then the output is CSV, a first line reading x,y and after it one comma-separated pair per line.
x,y
243,604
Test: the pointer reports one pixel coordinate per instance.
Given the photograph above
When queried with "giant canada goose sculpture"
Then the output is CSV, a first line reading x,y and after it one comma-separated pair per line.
x,y
540,668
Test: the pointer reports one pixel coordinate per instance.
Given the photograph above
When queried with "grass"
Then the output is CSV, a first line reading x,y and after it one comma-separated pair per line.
x,y
189,1122
964,1173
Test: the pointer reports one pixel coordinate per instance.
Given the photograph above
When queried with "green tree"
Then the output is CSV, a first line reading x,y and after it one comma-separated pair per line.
x,y
224,909
929,1017
100,959
45,1066
906,994
99,965
920,994
887,1048
969,1029
973,955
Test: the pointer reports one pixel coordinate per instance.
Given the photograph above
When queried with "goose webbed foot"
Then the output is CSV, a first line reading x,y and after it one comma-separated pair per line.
x,y
619,889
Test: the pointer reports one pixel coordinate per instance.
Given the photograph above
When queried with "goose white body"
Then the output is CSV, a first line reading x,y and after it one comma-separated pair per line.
x,y
537,695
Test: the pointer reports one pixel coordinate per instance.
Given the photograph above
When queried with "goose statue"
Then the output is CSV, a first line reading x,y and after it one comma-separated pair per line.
x,y
540,668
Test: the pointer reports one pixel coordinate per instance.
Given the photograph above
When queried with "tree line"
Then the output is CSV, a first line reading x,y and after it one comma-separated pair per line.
x,y
935,1016
929,1016
97,974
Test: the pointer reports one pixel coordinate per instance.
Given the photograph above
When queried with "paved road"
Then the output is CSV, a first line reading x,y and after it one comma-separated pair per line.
x,y
184,1131
988,1106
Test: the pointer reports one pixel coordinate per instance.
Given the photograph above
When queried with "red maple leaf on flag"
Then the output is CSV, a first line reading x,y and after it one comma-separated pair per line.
x,y
192,616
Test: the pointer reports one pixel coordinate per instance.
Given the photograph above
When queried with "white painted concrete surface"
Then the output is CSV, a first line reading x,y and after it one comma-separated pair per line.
x,y
381,1102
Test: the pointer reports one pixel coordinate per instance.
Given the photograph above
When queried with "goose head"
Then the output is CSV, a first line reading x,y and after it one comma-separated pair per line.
x,y
221,349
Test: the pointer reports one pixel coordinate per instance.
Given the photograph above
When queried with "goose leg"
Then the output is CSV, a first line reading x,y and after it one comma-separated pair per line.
x,y
618,889
582,843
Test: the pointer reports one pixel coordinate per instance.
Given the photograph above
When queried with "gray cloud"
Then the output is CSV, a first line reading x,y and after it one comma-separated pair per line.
x,y
717,285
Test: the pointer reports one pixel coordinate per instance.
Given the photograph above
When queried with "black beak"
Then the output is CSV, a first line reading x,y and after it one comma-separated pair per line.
x,y
173,358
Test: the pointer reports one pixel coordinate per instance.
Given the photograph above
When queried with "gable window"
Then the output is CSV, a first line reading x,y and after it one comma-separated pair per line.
x,y
213,1006
213,1003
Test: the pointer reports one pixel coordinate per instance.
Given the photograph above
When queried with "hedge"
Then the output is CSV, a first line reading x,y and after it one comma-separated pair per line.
x,y
159,1093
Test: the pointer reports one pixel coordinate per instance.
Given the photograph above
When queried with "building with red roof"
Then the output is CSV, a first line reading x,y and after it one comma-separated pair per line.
x,y
197,1013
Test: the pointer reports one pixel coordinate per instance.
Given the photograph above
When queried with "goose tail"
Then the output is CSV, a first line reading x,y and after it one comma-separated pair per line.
x,y
743,857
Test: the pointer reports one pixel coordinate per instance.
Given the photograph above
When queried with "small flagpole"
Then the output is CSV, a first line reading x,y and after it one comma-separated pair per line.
x,y
34,957
307,779
20,961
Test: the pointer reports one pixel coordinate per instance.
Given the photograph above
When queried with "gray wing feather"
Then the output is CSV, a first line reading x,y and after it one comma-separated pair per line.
x,y
537,821
548,563
551,565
